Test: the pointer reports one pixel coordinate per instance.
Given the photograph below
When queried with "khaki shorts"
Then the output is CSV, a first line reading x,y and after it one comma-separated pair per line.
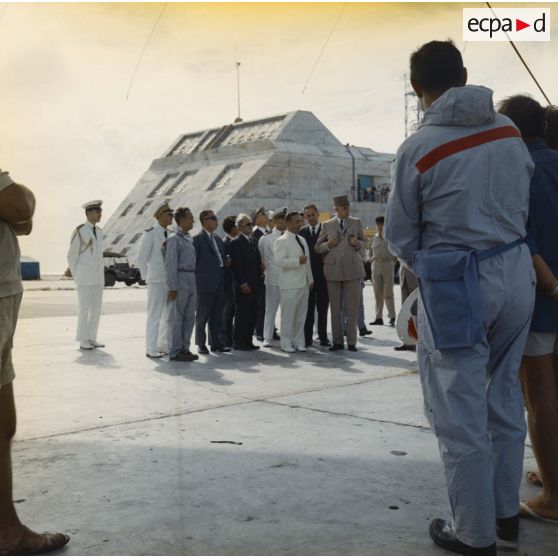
x,y
540,343
9,308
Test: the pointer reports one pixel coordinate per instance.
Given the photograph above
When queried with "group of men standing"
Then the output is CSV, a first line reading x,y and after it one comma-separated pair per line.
x,y
230,289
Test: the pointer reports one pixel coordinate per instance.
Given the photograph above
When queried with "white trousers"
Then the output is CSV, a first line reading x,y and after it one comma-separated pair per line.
x,y
294,306
156,331
90,301
272,299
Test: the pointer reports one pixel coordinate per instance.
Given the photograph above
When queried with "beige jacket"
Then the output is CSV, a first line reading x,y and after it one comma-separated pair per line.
x,y
343,262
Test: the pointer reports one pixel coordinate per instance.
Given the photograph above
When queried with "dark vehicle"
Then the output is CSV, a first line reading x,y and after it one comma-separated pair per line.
x,y
118,268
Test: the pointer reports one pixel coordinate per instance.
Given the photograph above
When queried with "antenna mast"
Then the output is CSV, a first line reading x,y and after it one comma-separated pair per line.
x,y
238,119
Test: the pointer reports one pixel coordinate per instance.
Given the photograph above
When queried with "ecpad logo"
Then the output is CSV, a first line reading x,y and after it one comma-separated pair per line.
x,y
522,24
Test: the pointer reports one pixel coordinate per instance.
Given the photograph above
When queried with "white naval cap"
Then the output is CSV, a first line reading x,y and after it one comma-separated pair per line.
x,y
281,212
161,208
94,204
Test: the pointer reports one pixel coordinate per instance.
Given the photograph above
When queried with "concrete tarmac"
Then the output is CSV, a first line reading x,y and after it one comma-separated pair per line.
x,y
256,453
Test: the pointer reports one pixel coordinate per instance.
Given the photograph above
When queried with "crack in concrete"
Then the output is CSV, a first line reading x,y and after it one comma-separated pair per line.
x,y
243,401
348,415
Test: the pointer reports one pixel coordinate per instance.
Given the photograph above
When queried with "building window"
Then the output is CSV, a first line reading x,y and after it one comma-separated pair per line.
x,y
225,176
124,250
135,238
181,184
127,210
117,239
145,206
366,190
163,185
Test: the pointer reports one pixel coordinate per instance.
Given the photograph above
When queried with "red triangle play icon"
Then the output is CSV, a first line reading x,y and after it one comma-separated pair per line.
x,y
519,25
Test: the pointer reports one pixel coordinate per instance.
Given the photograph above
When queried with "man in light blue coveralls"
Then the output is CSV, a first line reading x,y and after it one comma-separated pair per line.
x,y
180,266
461,182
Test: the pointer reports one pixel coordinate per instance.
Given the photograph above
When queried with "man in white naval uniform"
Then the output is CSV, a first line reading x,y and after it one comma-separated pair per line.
x,y
460,196
151,264
272,297
295,281
85,259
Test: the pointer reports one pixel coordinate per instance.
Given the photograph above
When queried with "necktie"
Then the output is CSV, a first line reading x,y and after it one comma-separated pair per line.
x,y
342,225
300,244
94,231
166,233
313,232
216,248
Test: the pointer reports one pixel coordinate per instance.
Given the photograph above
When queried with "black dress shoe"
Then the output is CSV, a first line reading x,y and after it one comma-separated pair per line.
x,y
337,347
404,348
308,344
203,350
325,343
253,347
392,322
363,331
220,350
184,357
259,338
276,336
241,348
352,348
442,534
507,529
378,321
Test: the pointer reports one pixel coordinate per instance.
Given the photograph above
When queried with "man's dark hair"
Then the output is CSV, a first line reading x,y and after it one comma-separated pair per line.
x,y
229,223
204,214
380,220
551,134
311,206
291,215
437,66
526,113
180,213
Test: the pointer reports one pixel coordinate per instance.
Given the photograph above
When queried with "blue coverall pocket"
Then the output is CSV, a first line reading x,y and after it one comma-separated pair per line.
x,y
449,288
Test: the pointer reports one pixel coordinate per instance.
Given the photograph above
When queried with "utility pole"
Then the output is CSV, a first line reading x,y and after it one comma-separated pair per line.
x,y
238,119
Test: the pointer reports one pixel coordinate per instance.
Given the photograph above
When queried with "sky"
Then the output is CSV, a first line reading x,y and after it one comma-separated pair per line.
x,y
83,120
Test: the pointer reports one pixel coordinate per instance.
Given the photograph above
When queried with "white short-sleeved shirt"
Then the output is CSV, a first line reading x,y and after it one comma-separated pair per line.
x,y
10,267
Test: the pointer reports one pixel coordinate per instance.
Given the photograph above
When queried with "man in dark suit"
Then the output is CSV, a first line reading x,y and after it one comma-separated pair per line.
x,y
210,283
247,269
318,295
231,232
260,222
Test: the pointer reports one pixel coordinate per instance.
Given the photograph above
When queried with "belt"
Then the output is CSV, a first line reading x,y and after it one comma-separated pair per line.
x,y
186,271
500,249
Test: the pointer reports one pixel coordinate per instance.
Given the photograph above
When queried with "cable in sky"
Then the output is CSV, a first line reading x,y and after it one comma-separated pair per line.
x,y
144,49
324,46
521,58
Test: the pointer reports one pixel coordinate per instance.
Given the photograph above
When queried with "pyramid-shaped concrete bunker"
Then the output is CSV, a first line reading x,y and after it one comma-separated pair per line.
x,y
286,160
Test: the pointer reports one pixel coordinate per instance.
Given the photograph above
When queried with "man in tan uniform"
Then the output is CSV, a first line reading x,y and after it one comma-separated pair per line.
x,y
382,275
340,241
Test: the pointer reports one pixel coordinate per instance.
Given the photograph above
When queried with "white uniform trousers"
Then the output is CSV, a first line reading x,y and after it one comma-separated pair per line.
x,y
156,331
272,299
474,404
90,301
294,306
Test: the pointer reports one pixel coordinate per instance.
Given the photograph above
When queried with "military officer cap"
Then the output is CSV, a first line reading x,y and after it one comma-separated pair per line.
x,y
161,208
256,212
94,204
380,220
339,201
278,213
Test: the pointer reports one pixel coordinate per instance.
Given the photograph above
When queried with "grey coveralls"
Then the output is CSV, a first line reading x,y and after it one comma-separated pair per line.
x,y
180,266
462,181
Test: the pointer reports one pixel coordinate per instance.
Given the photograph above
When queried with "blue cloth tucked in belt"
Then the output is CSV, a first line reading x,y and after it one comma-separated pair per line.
x,y
449,288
